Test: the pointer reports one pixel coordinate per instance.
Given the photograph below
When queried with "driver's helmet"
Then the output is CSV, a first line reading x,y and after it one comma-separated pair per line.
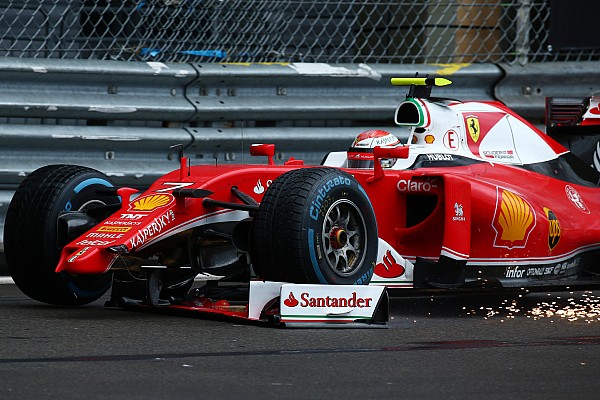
x,y
360,154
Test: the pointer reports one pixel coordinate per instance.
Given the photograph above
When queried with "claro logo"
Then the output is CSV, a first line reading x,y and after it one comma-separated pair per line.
x,y
408,185
320,302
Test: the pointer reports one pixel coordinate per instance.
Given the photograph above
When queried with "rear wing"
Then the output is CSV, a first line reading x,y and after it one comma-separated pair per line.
x,y
567,116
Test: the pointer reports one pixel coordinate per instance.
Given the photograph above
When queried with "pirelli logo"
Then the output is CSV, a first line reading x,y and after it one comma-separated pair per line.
x,y
114,229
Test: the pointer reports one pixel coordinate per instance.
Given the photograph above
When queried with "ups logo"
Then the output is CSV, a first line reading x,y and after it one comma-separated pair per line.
x,y
553,228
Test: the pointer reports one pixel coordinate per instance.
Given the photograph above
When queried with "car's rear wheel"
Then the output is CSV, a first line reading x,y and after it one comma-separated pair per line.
x,y
31,242
315,225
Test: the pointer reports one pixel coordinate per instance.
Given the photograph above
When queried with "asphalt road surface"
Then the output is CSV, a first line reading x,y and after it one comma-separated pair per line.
x,y
540,346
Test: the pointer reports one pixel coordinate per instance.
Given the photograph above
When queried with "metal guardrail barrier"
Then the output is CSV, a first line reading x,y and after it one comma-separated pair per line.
x,y
152,91
221,93
94,90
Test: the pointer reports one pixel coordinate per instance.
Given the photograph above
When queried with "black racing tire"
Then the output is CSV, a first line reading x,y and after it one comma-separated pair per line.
x,y
30,233
315,225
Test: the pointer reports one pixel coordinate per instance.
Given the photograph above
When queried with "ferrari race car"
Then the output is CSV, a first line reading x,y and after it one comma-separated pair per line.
x,y
478,198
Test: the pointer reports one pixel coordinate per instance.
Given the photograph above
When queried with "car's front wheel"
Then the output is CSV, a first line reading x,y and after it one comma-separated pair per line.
x,y
32,244
315,225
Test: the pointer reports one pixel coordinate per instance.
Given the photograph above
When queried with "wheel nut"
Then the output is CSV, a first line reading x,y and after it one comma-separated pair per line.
x,y
338,238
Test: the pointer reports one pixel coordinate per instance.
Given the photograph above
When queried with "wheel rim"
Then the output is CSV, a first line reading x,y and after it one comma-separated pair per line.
x,y
344,237
90,203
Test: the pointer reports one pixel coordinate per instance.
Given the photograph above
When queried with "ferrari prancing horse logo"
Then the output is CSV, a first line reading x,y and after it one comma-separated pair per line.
x,y
473,127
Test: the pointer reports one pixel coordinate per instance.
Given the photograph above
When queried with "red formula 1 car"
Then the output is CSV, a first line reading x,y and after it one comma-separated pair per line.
x,y
477,198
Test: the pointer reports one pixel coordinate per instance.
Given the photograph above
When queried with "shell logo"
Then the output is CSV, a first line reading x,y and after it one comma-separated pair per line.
x,y
151,202
514,220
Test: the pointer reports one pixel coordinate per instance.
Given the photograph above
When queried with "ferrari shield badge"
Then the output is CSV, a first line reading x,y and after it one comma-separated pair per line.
x,y
473,127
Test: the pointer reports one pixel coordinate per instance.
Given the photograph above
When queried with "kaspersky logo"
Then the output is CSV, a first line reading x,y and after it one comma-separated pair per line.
x,y
307,301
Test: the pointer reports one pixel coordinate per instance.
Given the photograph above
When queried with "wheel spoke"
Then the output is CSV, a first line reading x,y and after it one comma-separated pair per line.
x,y
345,219
350,254
351,234
329,223
344,262
344,233
333,257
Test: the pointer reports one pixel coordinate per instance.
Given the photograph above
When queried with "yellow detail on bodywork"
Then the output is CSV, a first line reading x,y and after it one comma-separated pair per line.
x,y
515,218
420,81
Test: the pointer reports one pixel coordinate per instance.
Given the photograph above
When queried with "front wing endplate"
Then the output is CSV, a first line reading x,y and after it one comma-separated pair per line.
x,y
291,305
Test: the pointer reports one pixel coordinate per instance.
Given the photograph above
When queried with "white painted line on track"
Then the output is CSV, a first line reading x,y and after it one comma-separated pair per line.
x,y
6,280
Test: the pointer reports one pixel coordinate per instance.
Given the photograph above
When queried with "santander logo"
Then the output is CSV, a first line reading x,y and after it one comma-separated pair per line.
x,y
389,268
291,301
259,188
306,300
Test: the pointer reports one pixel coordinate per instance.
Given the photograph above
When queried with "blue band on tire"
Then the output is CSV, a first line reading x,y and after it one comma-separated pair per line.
x,y
313,256
91,181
